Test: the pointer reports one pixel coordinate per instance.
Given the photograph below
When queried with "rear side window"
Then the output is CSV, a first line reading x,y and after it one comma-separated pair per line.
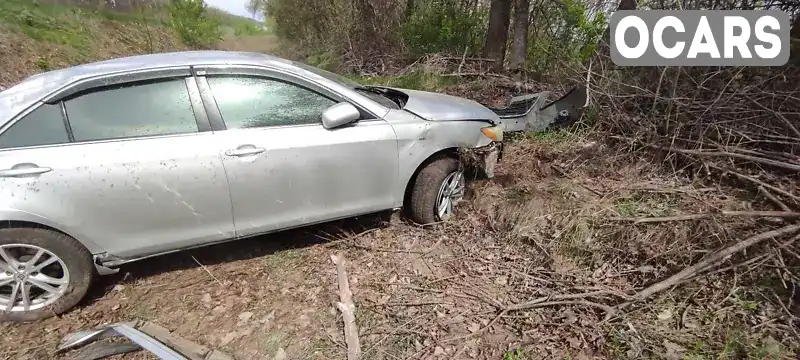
x,y
43,126
141,109
250,102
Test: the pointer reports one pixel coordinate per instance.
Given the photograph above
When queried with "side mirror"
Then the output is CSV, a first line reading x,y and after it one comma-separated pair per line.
x,y
339,115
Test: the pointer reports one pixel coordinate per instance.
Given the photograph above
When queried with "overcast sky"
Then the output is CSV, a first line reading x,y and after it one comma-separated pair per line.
x,y
235,7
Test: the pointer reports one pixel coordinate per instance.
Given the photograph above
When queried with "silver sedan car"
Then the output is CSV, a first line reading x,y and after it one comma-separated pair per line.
x,y
116,161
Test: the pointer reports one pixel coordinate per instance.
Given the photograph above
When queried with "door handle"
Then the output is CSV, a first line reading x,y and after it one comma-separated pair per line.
x,y
245,151
23,171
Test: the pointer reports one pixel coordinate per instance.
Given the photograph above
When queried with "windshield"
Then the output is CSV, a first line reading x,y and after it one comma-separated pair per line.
x,y
330,76
368,91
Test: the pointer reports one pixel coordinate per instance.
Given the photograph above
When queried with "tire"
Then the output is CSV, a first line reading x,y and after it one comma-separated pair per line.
x,y
78,278
425,191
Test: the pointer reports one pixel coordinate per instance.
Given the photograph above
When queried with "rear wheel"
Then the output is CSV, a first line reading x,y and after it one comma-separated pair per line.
x,y
42,273
439,186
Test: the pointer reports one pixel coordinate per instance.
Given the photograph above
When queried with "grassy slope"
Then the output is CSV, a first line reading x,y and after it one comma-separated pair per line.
x,y
40,37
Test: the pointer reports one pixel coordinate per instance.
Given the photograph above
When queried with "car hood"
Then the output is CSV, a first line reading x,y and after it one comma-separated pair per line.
x,y
442,107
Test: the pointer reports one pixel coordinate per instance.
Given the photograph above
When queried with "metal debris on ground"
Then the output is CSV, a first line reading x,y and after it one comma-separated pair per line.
x,y
143,335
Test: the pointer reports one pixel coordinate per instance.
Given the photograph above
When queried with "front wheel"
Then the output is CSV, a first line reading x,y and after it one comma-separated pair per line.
x,y
439,186
42,273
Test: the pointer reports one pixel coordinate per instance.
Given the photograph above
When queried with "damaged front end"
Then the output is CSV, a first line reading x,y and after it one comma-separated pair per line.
x,y
482,159
529,113
535,113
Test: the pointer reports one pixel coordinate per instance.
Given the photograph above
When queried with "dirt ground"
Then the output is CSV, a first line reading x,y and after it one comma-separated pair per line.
x,y
454,290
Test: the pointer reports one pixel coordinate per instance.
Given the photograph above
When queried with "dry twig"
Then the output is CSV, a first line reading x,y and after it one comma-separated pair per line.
x,y
207,271
777,214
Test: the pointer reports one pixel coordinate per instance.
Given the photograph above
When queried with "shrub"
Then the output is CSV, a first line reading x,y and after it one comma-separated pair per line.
x,y
195,26
246,29
354,30
445,26
568,34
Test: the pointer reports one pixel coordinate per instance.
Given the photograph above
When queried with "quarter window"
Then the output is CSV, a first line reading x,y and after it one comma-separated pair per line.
x,y
249,102
142,109
43,126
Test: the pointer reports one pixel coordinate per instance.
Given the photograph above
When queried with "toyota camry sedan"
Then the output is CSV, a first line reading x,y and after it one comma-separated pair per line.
x,y
111,162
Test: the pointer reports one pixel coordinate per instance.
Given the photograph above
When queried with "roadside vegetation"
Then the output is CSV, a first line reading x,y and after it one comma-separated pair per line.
x,y
636,219
663,225
43,35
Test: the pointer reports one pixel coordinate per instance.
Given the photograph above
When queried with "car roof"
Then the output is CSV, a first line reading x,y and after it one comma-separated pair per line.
x,y
35,88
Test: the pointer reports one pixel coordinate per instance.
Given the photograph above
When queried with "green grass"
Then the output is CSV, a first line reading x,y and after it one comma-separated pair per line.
x,y
516,354
417,80
76,27
58,24
643,207
235,25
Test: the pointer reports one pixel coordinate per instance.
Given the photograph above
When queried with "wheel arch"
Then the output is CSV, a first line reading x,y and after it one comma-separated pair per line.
x,y
451,152
17,219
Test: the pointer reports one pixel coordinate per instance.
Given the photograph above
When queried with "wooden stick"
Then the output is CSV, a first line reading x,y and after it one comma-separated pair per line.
x,y
348,309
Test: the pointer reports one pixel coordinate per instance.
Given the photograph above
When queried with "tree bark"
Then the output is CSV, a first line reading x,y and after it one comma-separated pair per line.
x,y
795,31
520,46
497,34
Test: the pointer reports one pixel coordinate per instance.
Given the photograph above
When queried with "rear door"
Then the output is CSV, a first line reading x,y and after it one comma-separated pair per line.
x,y
284,168
126,166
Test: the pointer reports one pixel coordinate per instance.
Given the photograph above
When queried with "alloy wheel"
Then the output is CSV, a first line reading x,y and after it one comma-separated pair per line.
x,y
450,193
31,277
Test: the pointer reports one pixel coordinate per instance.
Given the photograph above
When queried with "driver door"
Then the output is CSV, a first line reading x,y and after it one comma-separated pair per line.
x,y
284,168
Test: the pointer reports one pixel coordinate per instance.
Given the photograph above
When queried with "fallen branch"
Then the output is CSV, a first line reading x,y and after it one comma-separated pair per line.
x,y
778,214
703,153
711,260
758,182
475,74
757,159
466,58
553,300
772,198
779,116
348,309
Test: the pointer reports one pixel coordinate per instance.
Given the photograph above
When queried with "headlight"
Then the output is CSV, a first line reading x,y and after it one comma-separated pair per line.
x,y
493,132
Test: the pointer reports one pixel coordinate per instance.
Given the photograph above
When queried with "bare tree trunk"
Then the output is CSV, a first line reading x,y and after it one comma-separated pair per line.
x,y
520,47
497,35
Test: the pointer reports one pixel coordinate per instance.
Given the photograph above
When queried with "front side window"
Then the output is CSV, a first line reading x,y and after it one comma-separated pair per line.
x,y
43,126
142,109
249,102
